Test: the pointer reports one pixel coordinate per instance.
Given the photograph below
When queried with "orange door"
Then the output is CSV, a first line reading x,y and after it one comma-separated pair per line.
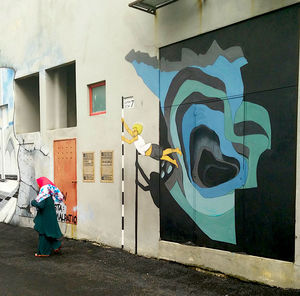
x,y
65,176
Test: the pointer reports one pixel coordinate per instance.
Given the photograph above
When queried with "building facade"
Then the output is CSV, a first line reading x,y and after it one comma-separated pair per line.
x,y
203,168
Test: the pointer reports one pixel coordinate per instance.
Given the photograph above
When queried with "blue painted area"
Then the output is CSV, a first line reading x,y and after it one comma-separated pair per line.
x,y
230,74
7,87
219,228
150,76
157,81
202,115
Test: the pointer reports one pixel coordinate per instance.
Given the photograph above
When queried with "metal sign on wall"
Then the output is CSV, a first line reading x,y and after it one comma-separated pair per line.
x,y
128,103
106,166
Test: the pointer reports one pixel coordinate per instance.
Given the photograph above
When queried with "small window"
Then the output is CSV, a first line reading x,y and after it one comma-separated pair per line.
x,y
27,104
61,96
97,98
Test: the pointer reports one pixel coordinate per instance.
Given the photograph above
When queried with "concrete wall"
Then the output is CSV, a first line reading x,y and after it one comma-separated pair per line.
x,y
27,106
51,33
57,100
185,19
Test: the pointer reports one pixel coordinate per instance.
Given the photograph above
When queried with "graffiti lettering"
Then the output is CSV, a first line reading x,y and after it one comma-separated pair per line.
x,y
62,216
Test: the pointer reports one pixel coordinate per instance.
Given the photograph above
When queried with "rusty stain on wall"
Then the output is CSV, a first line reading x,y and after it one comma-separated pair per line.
x,y
200,13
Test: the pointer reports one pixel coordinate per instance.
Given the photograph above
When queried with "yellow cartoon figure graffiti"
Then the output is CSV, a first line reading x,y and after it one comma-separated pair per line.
x,y
149,149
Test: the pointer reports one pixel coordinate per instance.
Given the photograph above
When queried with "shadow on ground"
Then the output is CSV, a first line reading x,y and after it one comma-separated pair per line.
x,y
85,269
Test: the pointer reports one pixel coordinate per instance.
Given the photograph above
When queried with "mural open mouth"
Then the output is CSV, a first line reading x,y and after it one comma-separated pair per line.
x,y
208,166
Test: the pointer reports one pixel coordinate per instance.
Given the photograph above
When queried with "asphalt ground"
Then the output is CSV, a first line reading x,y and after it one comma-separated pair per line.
x,y
84,268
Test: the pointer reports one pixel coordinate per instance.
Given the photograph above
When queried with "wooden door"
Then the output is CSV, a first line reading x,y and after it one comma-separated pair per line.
x,y
65,176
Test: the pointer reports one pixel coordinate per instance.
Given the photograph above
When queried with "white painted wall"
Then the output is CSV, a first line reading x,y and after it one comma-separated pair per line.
x,y
187,18
98,35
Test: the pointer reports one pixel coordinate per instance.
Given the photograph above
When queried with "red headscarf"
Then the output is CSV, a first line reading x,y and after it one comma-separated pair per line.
x,y
42,181
50,190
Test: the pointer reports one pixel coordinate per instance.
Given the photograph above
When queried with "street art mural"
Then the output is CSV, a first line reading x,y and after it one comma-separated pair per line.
x,y
18,157
8,149
32,152
206,117
152,150
224,107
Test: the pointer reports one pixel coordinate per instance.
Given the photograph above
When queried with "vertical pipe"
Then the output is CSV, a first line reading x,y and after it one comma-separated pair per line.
x,y
123,194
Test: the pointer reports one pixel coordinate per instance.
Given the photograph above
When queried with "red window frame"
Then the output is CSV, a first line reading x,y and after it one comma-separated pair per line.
x,y
91,87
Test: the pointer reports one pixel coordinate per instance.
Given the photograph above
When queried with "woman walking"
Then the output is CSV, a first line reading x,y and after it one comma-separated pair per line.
x,y
45,221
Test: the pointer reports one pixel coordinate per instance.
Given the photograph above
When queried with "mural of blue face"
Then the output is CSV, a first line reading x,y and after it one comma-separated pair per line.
x,y
220,135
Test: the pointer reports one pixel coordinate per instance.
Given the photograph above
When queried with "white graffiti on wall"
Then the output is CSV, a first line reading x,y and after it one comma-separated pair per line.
x,y
33,161
19,156
9,175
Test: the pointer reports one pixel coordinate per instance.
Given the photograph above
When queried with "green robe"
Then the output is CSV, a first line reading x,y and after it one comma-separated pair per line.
x,y
45,220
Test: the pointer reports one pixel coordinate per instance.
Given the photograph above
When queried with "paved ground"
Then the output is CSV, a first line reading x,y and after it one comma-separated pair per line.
x,y
85,269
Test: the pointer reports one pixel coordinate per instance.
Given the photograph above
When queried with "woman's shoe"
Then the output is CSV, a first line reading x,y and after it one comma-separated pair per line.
x,y
40,255
56,251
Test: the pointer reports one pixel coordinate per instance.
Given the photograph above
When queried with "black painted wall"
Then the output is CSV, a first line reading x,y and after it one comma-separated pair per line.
x,y
265,216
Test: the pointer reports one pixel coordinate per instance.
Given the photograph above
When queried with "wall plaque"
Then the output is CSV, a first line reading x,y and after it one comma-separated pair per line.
x,y
106,166
88,167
